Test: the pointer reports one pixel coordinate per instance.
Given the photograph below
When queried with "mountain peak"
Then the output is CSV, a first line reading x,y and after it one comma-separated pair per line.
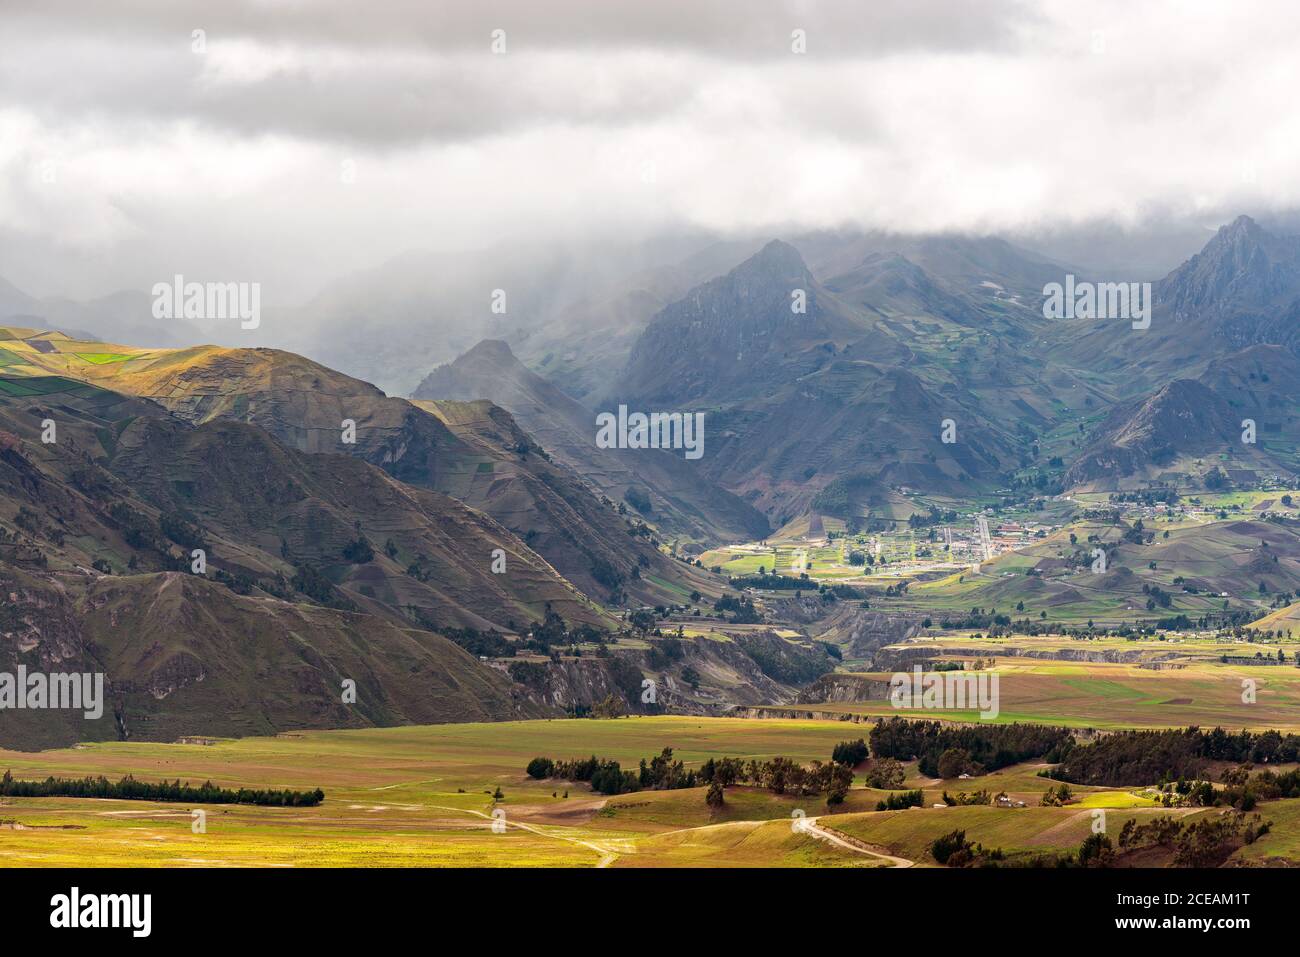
x,y
1243,238
778,258
498,350
488,370
1243,233
1243,225
779,247
1242,274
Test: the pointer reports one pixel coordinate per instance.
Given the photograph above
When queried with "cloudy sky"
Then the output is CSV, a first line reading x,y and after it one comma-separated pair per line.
x,y
297,140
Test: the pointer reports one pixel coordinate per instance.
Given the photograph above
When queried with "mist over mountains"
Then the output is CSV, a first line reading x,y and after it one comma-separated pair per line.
x,y
845,397
842,377
389,324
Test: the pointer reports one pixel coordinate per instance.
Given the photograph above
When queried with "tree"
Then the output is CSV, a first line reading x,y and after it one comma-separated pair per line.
x,y
885,774
951,845
1056,797
1096,851
551,631
714,798
639,499
850,753
953,763
358,551
642,620
837,788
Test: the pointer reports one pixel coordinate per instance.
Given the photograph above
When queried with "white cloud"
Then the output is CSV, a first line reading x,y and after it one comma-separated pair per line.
x,y
594,125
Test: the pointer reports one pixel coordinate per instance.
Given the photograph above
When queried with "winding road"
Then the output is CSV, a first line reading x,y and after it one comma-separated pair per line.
x,y
608,855
809,826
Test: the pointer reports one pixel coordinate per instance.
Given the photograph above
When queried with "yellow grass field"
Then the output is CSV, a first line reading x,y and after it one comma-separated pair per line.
x,y
423,796
395,797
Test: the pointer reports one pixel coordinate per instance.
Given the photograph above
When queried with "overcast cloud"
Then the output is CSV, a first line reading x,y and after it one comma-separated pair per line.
x,y
312,139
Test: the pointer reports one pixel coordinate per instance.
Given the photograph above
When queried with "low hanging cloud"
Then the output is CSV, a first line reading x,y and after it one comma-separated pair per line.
x,y
308,139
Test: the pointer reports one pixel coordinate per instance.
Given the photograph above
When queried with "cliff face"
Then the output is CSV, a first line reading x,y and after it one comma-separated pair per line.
x,y
857,631
845,688
691,676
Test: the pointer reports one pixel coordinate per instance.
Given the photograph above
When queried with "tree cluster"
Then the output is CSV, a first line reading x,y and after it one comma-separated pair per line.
x,y
129,789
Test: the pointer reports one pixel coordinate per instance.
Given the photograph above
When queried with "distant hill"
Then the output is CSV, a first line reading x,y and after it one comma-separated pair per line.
x,y
682,501
547,505
184,655
306,580
1188,419
831,407
1242,286
499,470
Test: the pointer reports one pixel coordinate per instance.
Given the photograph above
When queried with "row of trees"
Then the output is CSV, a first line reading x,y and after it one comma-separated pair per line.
x,y
780,775
901,801
784,776
1207,842
1130,758
850,753
1243,791
953,850
773,581
660,773
129,789
964,749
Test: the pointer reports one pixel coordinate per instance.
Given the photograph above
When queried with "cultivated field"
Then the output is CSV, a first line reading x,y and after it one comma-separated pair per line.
x,y
1149,684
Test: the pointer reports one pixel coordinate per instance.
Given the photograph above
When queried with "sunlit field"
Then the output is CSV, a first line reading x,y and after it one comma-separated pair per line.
x,y
423,796
1154,685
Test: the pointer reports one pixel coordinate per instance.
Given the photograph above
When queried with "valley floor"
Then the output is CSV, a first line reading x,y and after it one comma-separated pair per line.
x,y
423,796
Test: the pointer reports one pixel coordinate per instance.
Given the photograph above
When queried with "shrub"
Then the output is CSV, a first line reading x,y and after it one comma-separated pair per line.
x,y
539,768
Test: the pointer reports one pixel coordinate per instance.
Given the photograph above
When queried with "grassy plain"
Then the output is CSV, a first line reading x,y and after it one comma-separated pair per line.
x,y
395,796
423,796
1157,685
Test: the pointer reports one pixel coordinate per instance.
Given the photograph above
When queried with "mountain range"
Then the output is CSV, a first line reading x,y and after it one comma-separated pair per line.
x,y
839,405
347,534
